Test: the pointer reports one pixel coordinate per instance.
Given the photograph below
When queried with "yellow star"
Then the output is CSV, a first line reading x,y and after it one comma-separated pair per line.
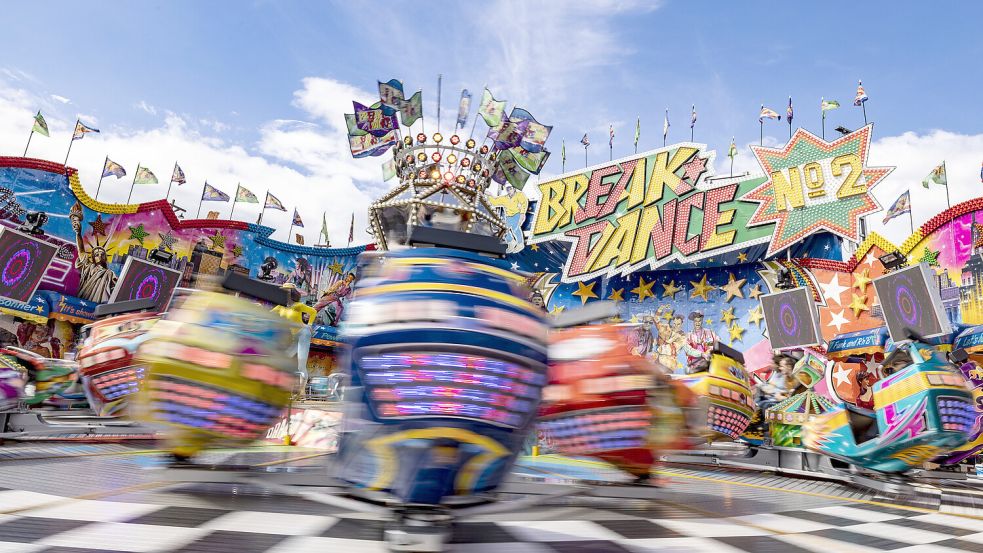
x,y
667,314
733,287
861,280
755,291
755,316
644,289
736,333
616,295
585,292
670,290
616,319
335,268
218,241
741,257
727,315
557,310
534,247
701,288
707,323
858,304
634,319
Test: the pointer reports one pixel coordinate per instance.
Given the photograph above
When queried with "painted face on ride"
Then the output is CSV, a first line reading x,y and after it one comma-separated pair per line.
x,y
99,256
677,323
698,323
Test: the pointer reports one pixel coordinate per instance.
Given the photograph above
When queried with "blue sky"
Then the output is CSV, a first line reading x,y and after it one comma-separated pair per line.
x,y
254,92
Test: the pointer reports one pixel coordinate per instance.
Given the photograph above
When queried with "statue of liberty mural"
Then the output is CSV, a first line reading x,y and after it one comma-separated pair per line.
x,y
96,279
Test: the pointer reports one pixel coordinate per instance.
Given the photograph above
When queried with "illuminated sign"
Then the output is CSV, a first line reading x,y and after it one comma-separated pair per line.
x,y
643,212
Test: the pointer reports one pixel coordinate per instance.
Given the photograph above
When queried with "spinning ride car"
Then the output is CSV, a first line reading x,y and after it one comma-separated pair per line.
x,y
13,378
725,390
107,366
968,347
216,372
920,412
448,361
56,381
785,419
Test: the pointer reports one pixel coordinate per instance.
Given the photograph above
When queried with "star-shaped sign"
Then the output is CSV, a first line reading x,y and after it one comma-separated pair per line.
x,y
727,315
733,287
237,250
861,280
832,290
335,268
534,247
701,289
930,256
741,257
858,304
755,292
736,333
167,240
829,195
841,376
218,240
644,289
557,310
694,168
98,226
617,295
137,233
670,290
756,315
837,319
585,291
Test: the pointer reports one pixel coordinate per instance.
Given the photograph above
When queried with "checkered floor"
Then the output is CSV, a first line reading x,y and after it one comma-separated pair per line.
x,y
42,522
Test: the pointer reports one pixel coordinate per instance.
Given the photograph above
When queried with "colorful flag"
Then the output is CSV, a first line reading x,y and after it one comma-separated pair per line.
x,y
610,136
665,125
530,161
585,141
245,196
113,168
788,111
563,155
900,206
144,176
491,110
373,120
861,96
300,239
508,134
40,125
463,108
692,117
212,194
353,129
297,222
412,109
386,110
391,93
324,228
937,176
535,134
732,152
81,129
351,230
638,129
827,105
177,175
768,113
388,169
273,203
510,171
369,145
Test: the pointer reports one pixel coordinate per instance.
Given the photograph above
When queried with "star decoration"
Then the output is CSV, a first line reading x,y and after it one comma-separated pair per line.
x,y
828,211
736,333
644,289
838,319
930,257
694,168
755,292
869,260
727,315
616,295
218,241
137,233
98,226
708,322
832,290
756,315
585,292
557,310
861,280
515,266
733,287
977,235
858,304
841,375
667,314
701,288
237,250
167,240
335,268
534,247
741,257
670,290
634,319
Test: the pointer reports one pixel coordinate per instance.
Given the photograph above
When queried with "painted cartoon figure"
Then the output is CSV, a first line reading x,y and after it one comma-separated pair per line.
x,y
699,342
671,339
38,339
96,280
301,276
331,305
514,203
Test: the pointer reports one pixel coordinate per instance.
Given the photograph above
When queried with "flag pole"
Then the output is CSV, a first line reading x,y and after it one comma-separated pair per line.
x,y
132,184
911,220
72,141
234,200
821,100
440,78
945,172
585,156
263,211
28,141
201,200
102,175
761,131
291,229
168,195
863,106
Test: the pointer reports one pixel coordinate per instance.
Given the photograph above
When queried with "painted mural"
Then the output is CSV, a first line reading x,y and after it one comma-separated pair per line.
x,y
94,239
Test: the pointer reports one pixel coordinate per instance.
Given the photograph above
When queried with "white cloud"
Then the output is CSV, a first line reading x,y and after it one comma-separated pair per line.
x,y
144,106
60,99
305,164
